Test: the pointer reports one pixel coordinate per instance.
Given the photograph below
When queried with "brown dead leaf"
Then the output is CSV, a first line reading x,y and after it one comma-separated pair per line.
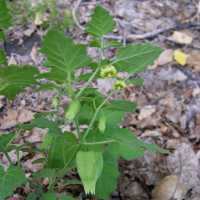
x,y
181,37
165,57
12,60
168,188
29,165
14,117
146,112
193,60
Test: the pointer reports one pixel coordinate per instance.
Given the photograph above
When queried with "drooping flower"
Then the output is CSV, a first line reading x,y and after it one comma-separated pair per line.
x,y
108,72
119,85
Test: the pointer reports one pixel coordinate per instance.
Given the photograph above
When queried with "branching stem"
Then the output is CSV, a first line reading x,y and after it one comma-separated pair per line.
x,y
95,116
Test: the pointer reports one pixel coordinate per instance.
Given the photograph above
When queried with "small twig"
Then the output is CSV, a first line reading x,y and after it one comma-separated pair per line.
x,y
133,37
74,12
179,177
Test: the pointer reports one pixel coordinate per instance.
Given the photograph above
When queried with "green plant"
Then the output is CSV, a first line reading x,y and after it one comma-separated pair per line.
x,y
92,149
44,13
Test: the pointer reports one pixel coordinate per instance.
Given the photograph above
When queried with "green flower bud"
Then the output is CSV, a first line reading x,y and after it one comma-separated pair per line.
x,y
102,123
73,110
108,72
119,85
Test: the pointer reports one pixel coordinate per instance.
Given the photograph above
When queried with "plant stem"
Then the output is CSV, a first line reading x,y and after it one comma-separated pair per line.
x,y
18,159
95,116
88,82
8,157
102,48
95,72
69,84
77,128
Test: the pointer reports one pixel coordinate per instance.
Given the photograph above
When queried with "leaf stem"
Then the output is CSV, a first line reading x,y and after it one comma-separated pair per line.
x,y
69,84
8,157
88,82
101,142
95,116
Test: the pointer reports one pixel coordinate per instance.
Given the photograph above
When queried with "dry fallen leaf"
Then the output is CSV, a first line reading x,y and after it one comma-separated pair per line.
x,y
181,37
180,57
14,117
12,60
165,57
193,60
146,112
169,188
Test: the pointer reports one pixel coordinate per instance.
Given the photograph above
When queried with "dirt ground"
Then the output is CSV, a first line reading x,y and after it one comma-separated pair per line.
x,y
168,104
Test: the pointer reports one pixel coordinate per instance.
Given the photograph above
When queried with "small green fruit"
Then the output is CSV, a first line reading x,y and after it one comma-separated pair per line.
x,y
73,110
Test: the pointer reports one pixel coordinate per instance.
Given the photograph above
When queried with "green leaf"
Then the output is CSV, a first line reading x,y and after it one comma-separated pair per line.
x,y
91,96
128,146
5,140
136,81
32,196
11,179
5,17
46,172
42,122
49,196
113,117
85,114
115,111
90,100
101,22
121,105
63,55
14,79
135,58
46,86
2,36
90,166
62,151
2,57
107,182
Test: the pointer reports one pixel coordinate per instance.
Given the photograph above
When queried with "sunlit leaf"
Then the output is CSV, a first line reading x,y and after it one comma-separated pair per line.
x,y
90,166
101,23
9,180
5,139
14,79
107,182
5,17
136,57
62,151
63,55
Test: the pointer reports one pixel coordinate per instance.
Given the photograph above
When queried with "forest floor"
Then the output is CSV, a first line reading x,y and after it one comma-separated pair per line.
x,y
168,111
